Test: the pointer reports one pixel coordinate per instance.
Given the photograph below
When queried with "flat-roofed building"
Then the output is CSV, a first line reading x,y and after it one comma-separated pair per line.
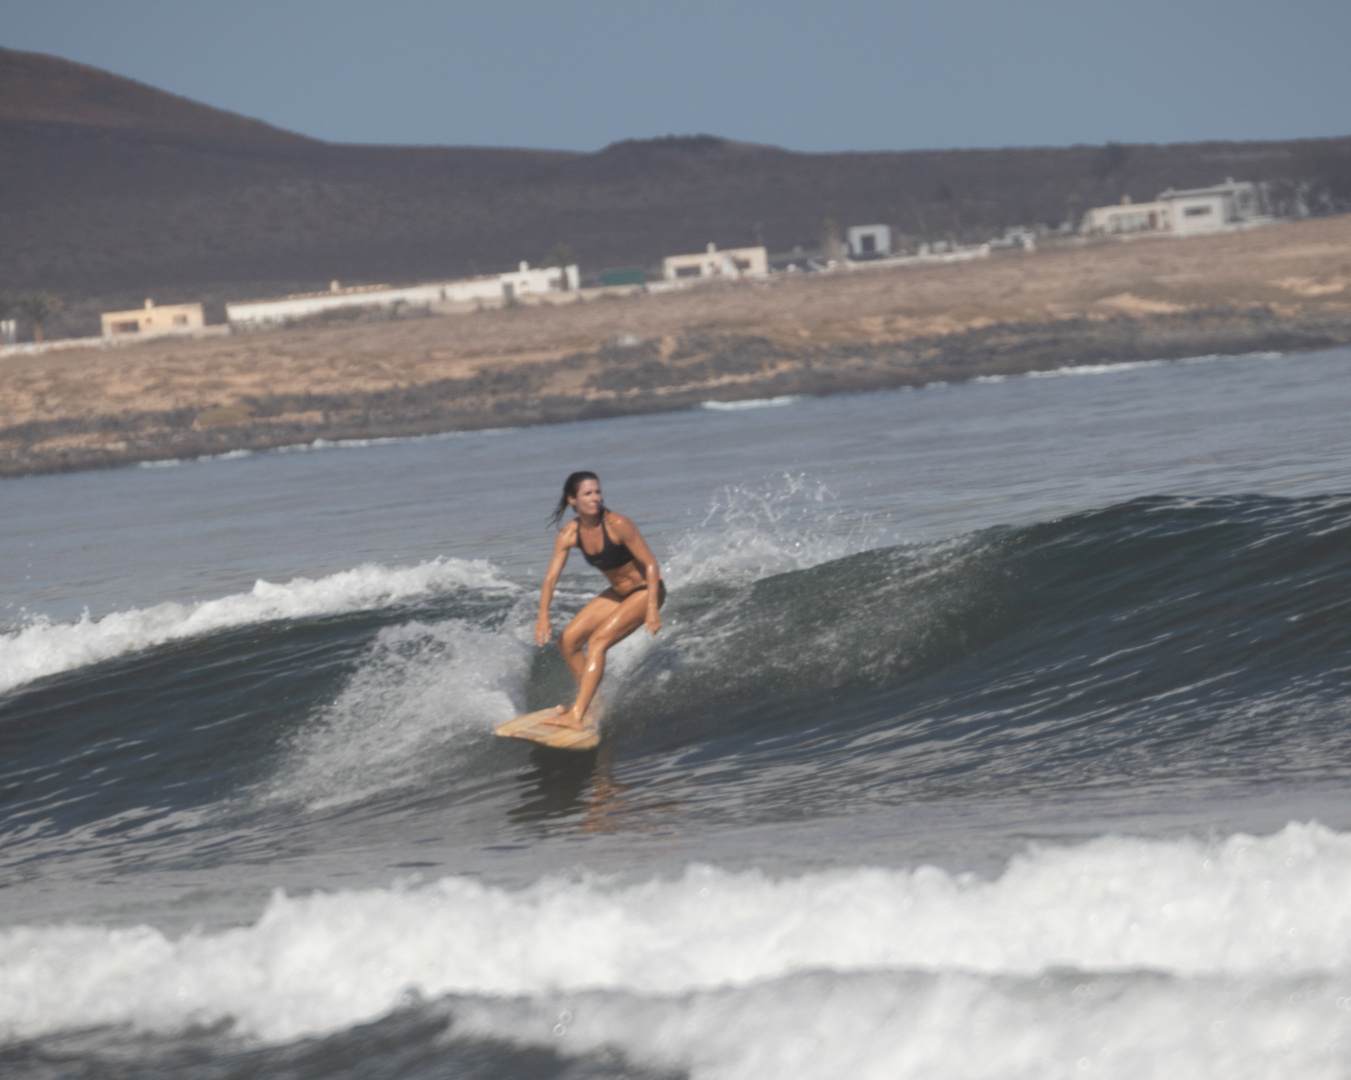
x,y
1205,209
167,319
711,263
1129,217
527,282
868,241
514,285
1194,210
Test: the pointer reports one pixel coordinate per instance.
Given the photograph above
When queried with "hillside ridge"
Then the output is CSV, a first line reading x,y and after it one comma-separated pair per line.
x,y
116,191
39,88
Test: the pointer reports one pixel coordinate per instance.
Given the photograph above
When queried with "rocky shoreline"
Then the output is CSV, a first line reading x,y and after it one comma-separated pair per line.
x,y
633,380
1226,295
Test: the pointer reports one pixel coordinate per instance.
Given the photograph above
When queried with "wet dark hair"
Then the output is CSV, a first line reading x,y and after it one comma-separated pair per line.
x,y
570,486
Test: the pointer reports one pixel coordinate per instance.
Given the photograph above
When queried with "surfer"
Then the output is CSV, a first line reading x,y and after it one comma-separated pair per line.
x,y
613,545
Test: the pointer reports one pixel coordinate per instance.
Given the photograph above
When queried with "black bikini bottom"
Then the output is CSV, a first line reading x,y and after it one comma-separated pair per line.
x,y
661,592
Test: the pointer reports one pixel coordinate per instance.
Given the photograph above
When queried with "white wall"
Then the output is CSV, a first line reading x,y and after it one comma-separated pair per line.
x,y
491,289
528,282
301,307
1200,213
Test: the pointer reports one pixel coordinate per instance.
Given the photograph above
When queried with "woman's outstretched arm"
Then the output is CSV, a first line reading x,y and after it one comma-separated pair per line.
x,y
563,544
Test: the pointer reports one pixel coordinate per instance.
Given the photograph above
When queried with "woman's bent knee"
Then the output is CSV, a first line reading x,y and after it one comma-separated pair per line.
x,y
601,642
570,641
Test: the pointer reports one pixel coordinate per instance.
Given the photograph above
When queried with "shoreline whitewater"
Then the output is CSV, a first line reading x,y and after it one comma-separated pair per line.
x,y
1284,288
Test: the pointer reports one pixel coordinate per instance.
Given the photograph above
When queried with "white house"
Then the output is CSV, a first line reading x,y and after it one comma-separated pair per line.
x,y
1182,213
1129,217
1205,209
868,241
712,263
488,288
525,282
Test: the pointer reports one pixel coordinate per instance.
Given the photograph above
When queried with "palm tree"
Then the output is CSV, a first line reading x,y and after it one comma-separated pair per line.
x,y
39,307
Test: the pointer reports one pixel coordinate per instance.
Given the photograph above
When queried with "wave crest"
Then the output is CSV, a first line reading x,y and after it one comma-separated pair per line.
x,y
44,648
1246,907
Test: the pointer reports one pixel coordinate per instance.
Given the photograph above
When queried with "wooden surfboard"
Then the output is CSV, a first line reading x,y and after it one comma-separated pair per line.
x,y
531,727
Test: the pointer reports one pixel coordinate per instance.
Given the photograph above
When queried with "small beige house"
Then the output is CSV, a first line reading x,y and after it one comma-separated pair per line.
x,y
1129,217
170,319
712,263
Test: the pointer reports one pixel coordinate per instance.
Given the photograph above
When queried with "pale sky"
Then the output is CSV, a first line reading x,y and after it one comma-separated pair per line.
x,y
848,75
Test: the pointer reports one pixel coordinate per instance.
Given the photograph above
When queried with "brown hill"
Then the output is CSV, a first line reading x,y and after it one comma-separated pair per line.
x,y
46,89
114,191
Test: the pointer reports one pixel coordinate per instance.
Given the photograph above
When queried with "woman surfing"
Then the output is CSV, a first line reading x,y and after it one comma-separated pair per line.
x,y
613,545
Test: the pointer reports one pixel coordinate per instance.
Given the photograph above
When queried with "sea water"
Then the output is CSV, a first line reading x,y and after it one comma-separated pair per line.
x,y
994,730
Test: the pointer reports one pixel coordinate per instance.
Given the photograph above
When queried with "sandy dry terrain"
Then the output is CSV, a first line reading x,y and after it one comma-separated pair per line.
x,y
1285,286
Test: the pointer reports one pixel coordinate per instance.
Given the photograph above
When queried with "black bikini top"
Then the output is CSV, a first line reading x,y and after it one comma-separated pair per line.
x,y
611,555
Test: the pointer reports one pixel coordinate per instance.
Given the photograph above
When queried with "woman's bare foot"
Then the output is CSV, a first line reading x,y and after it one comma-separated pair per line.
x,y
566,718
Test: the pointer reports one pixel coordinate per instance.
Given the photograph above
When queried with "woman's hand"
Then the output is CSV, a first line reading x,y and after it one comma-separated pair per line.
x,y
653,621
544,630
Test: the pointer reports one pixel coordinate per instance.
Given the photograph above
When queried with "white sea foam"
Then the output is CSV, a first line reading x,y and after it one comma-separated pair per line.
x,y
1096,369
951,1026
751,403
754,530
45,648
423,695
229,455
418,687
326,444
1116,934
1116,367
388,440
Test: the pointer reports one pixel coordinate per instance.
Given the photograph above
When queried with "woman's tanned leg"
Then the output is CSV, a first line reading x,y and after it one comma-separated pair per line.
x,y
580,629
626,616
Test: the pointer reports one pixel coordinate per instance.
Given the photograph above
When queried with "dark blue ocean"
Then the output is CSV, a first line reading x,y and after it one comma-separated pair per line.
x,y
996,730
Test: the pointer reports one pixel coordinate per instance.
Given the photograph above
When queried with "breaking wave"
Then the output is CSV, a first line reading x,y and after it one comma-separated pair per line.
x,y
43,647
